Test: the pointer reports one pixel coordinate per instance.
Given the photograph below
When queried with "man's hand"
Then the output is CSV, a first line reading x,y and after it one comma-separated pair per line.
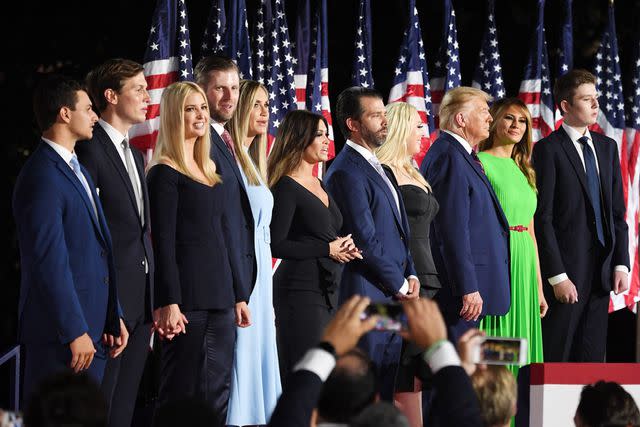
x,y
414,288
466,343
471,306
426,325
346,327
82,351
169,321
620,282
566,292
117,344
243,316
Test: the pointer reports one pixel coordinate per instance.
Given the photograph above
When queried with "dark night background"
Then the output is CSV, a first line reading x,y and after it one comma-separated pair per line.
x,y
73,36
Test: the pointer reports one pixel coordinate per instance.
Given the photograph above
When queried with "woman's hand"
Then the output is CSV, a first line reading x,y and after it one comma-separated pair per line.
x,y
243,316
169,321
543,304
343,249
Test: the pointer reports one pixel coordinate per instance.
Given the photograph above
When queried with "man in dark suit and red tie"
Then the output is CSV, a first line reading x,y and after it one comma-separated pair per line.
x,y
374,215
68,305
470,241
119,90
581,231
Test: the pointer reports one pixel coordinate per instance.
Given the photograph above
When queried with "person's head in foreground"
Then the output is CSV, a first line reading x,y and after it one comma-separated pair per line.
x,y
497,394
606,404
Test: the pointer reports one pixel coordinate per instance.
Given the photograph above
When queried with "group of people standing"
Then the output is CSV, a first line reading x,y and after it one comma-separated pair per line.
x,y
112,251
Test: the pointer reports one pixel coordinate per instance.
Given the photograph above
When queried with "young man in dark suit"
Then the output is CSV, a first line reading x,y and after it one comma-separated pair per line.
x,y
68,298
374,215
580,226
119,91
470,233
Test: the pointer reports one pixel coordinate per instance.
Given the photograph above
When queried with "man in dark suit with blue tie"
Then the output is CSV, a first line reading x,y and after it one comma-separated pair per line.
x,y
470,241
119,91
374,215
580,225
68,297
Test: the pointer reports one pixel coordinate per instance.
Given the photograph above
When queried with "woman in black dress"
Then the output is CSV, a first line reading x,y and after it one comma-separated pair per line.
x,y
404,138
304,234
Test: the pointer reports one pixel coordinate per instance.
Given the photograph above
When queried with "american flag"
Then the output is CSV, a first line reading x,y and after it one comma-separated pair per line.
x,y
237,45
565,50
260,47
633,199
611,120
302,54
213,38
362,74
318,87
535,89
411,79
446,71
488,74
280,83
166,60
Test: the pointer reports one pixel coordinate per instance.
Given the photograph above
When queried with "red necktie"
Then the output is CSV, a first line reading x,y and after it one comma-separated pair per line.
x,y
226,137
477,160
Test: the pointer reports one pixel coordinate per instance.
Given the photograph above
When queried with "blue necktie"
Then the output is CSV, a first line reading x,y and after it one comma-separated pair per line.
x,y
75,166
593,183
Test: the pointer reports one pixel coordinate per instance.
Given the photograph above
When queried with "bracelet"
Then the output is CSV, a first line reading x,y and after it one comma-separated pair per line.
x,y
328,347
432,349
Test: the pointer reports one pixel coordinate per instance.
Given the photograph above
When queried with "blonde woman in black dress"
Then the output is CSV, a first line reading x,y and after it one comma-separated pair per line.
x,y
405,132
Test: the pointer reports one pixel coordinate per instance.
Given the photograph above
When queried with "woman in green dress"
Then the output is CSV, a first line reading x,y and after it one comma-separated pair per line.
x,y
505,156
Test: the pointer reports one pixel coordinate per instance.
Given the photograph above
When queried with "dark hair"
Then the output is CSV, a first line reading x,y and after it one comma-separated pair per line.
x,y
50,95
190,412
566,85
350,388
380,414
66,399
348,105
211,63
110,75
606,403
296,132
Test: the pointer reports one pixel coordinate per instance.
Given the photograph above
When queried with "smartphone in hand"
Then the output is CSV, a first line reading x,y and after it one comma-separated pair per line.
x,y
500,351
391,316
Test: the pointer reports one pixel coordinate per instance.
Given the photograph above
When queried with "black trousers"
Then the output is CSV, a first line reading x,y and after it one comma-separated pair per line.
x,y
122,375
199,363
578,332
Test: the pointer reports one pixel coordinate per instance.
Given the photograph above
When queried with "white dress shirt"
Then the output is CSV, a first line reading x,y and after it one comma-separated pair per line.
x,y
468,148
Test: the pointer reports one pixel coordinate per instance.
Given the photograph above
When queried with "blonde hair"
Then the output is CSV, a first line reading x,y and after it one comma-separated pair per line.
x,y
238,127
170,142
455,100
394,151
497,394
521,153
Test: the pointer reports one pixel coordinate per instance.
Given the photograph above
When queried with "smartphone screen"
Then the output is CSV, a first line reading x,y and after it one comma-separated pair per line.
x,y
501,351
391,316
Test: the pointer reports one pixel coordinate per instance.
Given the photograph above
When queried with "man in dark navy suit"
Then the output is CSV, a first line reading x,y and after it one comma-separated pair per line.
x,y
470,241
374,215
580,225
119,90
68,296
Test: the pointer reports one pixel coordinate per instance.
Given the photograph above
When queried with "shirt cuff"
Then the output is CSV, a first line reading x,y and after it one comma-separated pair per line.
x,y
405,287
557,279
442,356
622,268
318,361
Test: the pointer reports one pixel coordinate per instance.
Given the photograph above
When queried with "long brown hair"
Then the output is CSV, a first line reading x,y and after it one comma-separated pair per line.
x,y
296,132
238,127
521,153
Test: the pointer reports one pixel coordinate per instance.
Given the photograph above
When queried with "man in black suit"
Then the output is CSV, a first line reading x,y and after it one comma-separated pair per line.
x,y
581,230
455,402
119,92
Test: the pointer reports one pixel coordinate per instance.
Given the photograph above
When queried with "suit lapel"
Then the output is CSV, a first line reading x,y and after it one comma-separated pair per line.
x,y
366,167
604,172
217,140
574,159
139,162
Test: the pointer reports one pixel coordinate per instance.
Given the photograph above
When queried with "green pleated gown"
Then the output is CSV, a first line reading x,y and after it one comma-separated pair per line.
x,y
518,201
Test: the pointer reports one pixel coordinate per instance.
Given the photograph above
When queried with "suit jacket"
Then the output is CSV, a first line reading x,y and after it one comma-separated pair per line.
x,y
67,270
241,246
470,234
370,214
455,402
131,240
564,219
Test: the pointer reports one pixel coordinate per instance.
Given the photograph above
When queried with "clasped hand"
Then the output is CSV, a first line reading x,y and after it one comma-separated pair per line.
x,y
169,321
343,249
